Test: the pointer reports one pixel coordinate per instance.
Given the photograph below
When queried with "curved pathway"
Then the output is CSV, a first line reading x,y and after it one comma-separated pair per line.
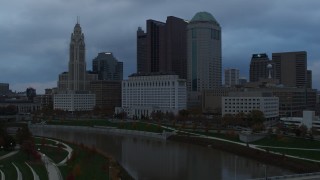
x,y
52,169
9,154
67,148
35,175
258,147
3,177
19,175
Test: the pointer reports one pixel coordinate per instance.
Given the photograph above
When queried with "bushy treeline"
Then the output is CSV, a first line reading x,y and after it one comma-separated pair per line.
x,y
8,110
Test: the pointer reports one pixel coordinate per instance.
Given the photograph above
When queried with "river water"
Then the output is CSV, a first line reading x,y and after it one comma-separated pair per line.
x,y
153,159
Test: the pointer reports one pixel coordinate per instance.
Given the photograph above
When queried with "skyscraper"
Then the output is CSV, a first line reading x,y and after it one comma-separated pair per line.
x,y
107,67
77,78
309,79
77,63
204,53
141,51
231,77
259,67
291,68
163,47
73,86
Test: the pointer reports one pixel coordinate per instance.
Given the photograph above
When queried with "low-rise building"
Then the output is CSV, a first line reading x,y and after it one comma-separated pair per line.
x,y
143,94
308,119
74,101
108,93
245,102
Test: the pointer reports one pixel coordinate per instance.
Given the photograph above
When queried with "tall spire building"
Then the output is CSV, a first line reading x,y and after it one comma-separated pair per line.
x,y
77,63
73,86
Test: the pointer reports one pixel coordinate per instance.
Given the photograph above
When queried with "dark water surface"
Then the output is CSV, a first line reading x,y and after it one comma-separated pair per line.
x,y
153,159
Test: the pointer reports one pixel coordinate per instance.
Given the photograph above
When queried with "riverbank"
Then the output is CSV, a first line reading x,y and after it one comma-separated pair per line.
x,y
295,165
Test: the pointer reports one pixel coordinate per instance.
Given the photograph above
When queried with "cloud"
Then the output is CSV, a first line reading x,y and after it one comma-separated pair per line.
x,y
35,34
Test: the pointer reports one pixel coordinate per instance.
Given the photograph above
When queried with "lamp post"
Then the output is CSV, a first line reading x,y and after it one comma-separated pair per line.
x,y
235,167
110,172
265,172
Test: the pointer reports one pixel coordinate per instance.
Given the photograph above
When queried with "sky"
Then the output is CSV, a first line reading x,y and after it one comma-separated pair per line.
x,y
35,34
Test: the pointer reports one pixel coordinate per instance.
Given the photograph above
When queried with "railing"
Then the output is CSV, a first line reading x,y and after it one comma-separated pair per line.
x,y
305,175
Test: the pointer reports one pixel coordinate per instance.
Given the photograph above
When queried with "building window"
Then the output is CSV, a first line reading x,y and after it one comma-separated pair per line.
x,y
194,33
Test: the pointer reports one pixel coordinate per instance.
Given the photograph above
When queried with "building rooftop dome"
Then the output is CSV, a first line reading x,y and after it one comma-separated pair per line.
x,y
203,16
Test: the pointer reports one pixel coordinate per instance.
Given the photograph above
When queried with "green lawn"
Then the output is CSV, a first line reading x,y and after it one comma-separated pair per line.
x,y
139,126
226,136
91,123
19,160
315,155
273,140
40,169
3,152
40,140
54,153
86,164
25,170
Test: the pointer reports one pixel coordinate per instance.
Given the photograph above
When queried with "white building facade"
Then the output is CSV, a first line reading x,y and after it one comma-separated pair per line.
x,y
308,119
74,101
245,103
144,94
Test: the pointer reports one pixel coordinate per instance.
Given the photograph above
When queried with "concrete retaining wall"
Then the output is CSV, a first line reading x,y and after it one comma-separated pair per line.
x,y
36,129
249,137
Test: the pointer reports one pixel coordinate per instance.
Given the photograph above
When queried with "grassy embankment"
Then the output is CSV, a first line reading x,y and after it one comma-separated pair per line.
x,y
139,126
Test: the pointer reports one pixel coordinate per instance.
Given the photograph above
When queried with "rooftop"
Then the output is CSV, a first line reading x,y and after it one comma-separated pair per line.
x,y
203,17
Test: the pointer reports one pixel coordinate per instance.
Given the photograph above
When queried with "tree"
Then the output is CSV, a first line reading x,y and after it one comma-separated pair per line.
x,y
227,120
23,134
256,117
303,130
183,115
240,119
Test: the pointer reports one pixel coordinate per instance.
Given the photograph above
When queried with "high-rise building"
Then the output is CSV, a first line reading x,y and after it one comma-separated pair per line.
x,y
163,47
259,67
77,79
141,51
73,86
77,63
309,79
242,80
291,68
107,67
231,77
204,53
4,88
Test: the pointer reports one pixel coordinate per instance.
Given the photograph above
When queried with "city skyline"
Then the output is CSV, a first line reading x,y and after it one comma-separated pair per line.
x,y
36,35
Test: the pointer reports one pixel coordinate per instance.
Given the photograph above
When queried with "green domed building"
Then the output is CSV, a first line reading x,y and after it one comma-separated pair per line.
x,y
204,53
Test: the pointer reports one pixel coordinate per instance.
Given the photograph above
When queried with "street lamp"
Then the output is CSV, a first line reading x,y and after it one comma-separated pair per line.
x,y
265,171
110,172
235,167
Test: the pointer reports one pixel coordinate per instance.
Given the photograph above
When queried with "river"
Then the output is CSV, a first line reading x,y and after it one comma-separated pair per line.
x,y
153,159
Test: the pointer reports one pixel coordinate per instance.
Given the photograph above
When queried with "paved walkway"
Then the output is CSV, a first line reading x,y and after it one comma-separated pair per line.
x,y
9,154
3,177
52,169
35,175
18,172
67,148
258,147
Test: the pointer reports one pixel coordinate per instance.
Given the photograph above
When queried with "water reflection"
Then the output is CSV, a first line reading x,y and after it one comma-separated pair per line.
x,y
154,159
